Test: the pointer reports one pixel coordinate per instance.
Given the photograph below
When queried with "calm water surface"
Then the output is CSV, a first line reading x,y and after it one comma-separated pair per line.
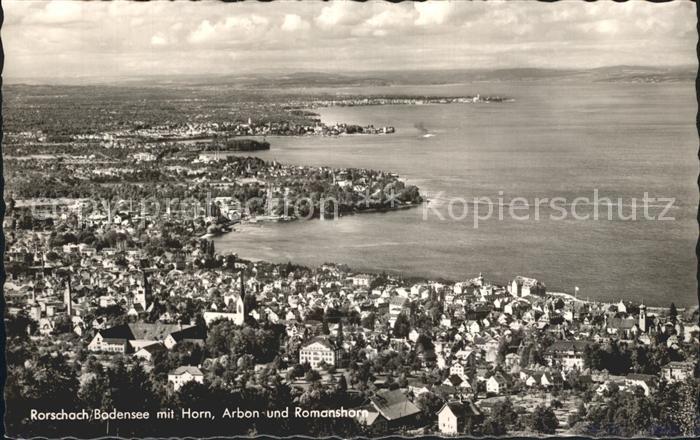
x,y
555,140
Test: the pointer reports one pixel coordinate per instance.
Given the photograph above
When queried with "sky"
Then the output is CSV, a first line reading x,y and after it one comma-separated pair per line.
x,y
65,39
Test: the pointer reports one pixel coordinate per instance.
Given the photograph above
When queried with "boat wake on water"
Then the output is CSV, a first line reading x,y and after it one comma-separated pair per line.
x,y
425,133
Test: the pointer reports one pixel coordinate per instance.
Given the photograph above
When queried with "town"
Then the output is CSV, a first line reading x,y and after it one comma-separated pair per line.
x,y
119,303
137,327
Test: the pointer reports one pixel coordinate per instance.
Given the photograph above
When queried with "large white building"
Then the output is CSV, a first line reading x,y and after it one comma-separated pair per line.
x,y
524,286
319,350
182,375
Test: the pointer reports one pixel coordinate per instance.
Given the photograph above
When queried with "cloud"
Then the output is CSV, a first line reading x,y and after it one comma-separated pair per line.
x,y
385,22
59,12
231,30
608,27
204,32
159,40
390,18
293,22
435,12
58,36
342,13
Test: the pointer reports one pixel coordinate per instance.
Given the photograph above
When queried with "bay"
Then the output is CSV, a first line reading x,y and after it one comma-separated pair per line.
x,y
563,139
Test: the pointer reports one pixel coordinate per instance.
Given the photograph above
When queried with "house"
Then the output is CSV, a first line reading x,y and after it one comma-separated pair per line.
x,y
46,326
319,350
394,409
139,335
645,381
397,305
458,370
533,379
512,359
455,416
190,333
677,371
146,353
108,345
361,280
183,375
496,384
549,380
568,354
523,286
491,351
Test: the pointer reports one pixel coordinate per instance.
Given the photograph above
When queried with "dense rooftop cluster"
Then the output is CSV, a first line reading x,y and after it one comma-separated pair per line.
x,y
191,323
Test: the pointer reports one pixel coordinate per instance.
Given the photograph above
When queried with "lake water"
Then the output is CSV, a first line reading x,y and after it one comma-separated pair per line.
x,y
555,140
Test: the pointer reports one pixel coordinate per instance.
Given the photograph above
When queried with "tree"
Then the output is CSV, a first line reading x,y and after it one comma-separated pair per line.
x,y
429,403
342,383
218,338
673,313
368,321
312,376
543,420
402,326
688,415
494,427
340,338
424,344
505,413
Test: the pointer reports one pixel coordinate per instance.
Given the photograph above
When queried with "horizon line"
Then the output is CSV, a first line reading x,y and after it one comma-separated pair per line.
x,y
11,79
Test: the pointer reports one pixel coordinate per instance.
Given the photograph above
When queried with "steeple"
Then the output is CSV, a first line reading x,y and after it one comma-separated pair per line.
x,y
643,318
143,293
242,284
146,286
68,297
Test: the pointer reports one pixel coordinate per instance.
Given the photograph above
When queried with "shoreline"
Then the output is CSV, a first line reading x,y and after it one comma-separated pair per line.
x,y
244,227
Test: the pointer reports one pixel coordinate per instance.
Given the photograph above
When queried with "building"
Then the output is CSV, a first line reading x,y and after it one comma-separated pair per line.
x,y
568,354
512,359
361,280
455,417
135,336
235,305
108,345
458,370
496,384
319,350
68,298
647,382
182,375
397,305
394,409
146,353
677,371
523,286
642,318
624,327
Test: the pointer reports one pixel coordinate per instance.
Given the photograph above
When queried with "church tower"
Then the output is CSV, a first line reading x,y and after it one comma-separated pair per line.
x,y
143,293
643,318
241,305
68,298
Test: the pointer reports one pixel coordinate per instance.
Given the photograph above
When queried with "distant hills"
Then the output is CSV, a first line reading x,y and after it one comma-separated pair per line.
x,y
645,74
